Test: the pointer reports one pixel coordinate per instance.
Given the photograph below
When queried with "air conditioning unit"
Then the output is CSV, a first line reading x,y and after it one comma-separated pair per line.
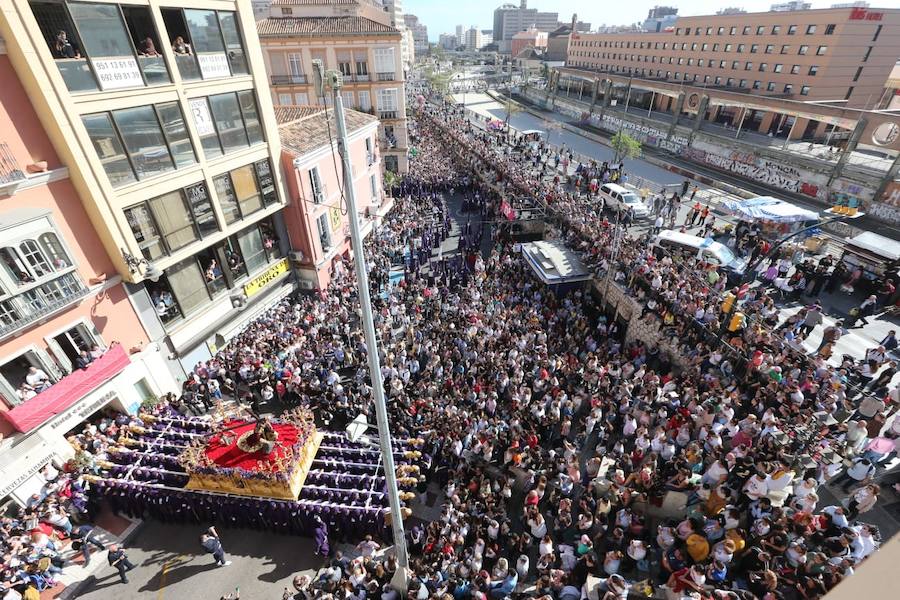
x,y
297,256
239,300
306,284
320,197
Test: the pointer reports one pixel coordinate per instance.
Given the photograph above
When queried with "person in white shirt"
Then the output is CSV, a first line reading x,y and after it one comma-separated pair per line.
x,y
756,487
37,379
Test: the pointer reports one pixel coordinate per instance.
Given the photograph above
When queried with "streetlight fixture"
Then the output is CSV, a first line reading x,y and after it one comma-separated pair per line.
x,y
333,81
134,264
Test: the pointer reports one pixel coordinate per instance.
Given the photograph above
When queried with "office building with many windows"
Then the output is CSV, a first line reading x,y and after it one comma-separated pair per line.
x,y
365,51
71,341
153,106
837,55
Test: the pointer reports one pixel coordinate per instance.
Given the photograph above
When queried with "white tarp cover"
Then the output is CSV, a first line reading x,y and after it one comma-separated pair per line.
x,y
767,208
554,263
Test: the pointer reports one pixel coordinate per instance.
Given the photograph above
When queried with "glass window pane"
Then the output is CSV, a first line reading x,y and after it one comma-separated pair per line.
x,y
107,44
35,258
144,140
174,220
54,251
234,258
102,30
187,285
163,301
204,28
233,45
252,248
201,207
176,133
208,45
227,113
251,116
248,195
203,121
109,148
212,271
139,23
145,231
227,199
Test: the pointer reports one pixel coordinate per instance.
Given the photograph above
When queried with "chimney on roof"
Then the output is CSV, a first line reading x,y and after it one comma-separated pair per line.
x,y
574,20
524,4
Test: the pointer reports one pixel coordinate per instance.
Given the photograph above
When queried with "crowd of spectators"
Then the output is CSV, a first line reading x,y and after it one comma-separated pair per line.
x,y
558,446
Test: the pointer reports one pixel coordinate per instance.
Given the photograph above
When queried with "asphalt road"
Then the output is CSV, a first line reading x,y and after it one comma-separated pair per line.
x,y
170,564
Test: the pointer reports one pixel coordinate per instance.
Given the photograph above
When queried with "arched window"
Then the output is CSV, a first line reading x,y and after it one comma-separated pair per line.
x,y
54,251
35,259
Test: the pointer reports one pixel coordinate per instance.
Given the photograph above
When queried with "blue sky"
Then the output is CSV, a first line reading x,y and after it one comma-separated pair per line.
x,y
443,16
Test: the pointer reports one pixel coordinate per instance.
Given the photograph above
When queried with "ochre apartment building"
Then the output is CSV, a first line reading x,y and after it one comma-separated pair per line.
x,y
363,46
840,55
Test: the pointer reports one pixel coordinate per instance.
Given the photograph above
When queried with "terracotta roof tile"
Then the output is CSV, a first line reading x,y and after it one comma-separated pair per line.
x,y
304,128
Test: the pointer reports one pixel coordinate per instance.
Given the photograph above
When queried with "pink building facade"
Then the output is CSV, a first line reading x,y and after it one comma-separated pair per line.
x,y
316,219
59,295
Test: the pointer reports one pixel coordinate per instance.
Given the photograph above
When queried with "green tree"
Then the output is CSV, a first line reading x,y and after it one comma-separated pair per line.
x,y
390,180
625,146
512,108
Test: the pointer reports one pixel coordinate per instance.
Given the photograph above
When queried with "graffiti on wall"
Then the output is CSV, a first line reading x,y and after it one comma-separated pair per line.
x,y
767,172
645,134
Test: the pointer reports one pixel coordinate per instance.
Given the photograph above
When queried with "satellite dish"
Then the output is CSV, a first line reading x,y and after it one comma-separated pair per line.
x,y
356,429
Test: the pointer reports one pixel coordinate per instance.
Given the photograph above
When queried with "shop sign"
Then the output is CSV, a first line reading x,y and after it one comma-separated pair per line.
x,y
335,215
25,475
861,14
202,119
118,72
81,411
213,64
255,285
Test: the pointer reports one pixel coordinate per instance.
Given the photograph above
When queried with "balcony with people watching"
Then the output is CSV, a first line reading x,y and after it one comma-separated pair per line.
x,y
100,47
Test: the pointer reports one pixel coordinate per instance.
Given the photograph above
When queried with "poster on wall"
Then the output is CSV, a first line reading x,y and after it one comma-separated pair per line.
x,y
335,215
213,64
117,72
202,117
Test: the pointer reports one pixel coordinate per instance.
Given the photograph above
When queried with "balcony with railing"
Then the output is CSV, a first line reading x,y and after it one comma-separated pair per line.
x,y
10,173
38,302
388,114
71,388
361,78
391,76
289,80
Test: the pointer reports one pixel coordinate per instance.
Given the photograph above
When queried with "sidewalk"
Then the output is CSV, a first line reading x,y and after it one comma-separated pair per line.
x,y
109,529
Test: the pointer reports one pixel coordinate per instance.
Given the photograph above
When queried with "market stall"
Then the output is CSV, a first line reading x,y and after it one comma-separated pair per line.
x,y
874,254
774,219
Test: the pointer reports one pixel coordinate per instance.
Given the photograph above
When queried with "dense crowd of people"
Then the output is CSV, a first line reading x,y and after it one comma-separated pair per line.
x,y
55,525
562,449
559,446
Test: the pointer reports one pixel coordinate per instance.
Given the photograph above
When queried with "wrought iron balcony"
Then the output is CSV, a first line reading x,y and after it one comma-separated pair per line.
x,y
25,308
289,79
387,76
9,166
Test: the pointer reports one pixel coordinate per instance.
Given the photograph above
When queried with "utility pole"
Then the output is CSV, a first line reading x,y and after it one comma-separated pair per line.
x,y
332,80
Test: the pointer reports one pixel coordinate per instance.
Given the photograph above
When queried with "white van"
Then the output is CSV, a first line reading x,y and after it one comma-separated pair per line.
x,y
703,248
618,198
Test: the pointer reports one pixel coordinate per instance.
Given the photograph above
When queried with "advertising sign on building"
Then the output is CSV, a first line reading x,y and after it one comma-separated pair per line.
x,y
117,72
335,216
202,117
213,64
256,285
